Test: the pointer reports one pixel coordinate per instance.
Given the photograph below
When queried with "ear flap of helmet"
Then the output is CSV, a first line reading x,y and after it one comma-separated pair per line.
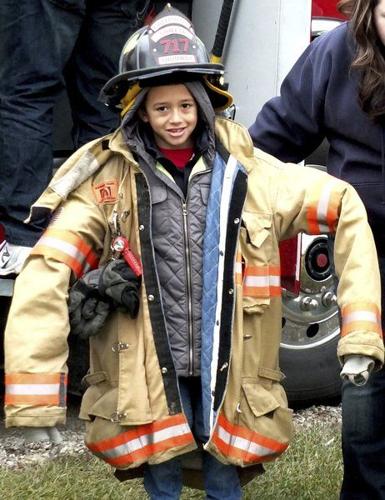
x,y
218,94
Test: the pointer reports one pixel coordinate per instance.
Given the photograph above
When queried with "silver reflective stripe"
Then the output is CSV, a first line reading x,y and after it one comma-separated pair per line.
x,y
145,440
257,281
361,316
323,207
243,444
275,280
323,203
33,389
85,166
65,247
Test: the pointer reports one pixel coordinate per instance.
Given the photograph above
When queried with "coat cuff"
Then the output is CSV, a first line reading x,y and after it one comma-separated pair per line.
x,y
34,417
363,343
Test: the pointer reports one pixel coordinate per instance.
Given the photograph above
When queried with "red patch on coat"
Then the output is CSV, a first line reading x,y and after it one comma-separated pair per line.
x,y
106,192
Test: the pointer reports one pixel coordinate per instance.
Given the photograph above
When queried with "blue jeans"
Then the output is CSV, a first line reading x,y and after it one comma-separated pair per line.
x,y
363,433
164,481
46,45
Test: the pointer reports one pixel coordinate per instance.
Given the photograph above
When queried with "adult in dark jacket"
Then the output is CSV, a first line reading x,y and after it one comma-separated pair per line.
x,y
47,45
336,90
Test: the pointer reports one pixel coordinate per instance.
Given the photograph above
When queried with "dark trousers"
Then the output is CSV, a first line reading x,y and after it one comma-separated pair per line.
x,y
363,433
46,45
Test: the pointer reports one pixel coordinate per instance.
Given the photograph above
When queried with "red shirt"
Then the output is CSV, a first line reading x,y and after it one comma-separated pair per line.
x,y
179,157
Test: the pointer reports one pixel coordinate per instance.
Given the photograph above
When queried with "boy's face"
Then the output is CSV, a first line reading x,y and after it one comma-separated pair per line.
x,y
172,113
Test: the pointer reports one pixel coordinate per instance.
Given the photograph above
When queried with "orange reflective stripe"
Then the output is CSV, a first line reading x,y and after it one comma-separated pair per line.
x,y
137,444
360,326
36,389
333,211
244,444
68,248
136,432
34,378
26,399
312,220
242,455
361,316
262,281
243,432
143,454
323,209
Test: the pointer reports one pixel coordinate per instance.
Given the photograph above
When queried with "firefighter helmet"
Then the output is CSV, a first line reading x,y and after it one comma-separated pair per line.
x,y
167,50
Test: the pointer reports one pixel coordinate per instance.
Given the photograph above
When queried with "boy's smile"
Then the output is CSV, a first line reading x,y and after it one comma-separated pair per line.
x,y
172,113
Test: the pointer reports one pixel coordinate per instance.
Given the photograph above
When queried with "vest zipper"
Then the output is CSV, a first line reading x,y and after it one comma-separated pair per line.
x,y
189,292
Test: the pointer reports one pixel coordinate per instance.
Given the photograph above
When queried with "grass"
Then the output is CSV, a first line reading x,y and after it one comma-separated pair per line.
x,y
310,469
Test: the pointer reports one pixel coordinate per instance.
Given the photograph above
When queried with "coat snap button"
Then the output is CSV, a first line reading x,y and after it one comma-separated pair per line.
x,y
119,346
164,369
151,298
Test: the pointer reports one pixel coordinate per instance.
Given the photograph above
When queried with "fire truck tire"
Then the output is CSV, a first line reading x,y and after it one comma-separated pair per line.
x,y
311,374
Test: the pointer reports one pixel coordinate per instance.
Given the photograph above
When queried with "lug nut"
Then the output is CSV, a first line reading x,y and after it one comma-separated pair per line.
x,y
308,304
329,299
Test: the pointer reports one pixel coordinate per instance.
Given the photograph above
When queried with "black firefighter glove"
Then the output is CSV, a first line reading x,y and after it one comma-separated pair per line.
x,y
88,310
119,282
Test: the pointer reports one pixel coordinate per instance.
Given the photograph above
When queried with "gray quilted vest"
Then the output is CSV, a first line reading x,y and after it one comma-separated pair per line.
x,y
178,225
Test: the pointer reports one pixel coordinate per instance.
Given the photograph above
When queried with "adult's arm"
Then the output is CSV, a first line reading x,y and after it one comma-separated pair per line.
x,y
291,126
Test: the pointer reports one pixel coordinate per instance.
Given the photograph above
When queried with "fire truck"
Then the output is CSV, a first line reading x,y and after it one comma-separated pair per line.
x,y
263,38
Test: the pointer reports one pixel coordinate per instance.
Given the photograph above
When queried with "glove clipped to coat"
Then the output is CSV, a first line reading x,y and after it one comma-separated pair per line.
x,y
98,292
88,310
119,283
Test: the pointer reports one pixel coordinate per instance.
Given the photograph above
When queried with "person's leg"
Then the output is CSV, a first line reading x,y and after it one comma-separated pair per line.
x,y
164,481
221,481
363,433
95,60
37,38
363,439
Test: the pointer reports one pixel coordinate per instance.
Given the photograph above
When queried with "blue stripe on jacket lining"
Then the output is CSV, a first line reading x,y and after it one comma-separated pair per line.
x,y
210,280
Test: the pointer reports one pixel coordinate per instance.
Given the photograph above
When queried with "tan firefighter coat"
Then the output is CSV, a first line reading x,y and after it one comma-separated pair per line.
x,y
131,405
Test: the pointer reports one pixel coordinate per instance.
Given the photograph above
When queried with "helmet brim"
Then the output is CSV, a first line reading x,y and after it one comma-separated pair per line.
x,y
116,88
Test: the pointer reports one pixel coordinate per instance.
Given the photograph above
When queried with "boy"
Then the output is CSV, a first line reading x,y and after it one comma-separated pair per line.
x,y
194,358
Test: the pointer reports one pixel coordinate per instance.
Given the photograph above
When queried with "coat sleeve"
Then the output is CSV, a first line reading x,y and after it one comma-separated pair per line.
x,y
36,347
290,126
314,202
